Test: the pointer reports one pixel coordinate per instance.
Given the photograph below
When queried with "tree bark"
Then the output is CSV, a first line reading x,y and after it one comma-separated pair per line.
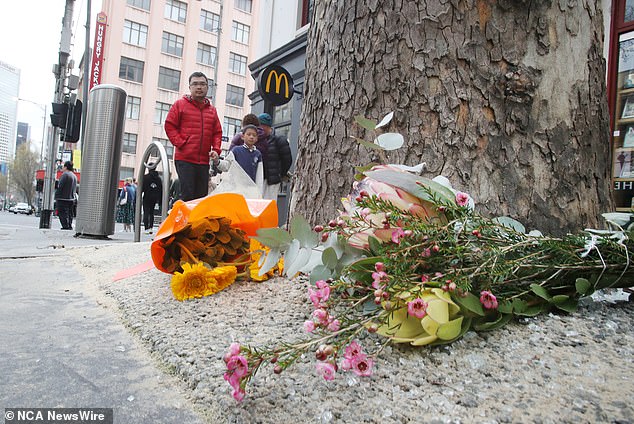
x,y
506,98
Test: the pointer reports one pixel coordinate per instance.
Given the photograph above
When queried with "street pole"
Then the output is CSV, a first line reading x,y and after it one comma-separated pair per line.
x,y
61,71
86,85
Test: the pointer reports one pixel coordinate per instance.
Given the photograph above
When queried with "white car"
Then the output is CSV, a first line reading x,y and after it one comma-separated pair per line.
x,y
22,208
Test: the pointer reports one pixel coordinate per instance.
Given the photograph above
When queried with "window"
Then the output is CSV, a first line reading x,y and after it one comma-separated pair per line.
x,y
176,10
172,44
282,113
126,172
160,112
237,64
133,107
209,21
130,69
231,126
240,32
141,4
206,54
235,95
244,5
129,143
169,79
307,11
134,33
169,148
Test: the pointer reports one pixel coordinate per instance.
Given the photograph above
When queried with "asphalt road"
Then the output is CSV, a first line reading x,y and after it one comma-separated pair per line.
x,y
61,345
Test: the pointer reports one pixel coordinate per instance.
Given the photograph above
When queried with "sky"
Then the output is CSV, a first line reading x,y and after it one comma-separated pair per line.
x,y
30,31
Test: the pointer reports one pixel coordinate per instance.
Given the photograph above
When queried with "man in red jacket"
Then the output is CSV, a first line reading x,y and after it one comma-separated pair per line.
x,y
193,127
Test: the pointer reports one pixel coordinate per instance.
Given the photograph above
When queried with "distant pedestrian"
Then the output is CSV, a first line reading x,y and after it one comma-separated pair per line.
x,y
65,196
127,200
193,127
152,193
277,158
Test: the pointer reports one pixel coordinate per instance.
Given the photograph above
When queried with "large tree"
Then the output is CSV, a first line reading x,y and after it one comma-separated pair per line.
x,y
22,171
505,98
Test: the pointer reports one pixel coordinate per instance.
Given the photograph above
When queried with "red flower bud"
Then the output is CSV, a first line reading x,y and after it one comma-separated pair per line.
x,y
318,228
332,223
372,328
277,369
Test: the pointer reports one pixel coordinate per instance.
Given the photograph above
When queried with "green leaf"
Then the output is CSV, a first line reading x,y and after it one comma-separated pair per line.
x,y
390,141
367,144
541,292
519,306
375,245
273,237
511,223
290,255
532,311
466,325
303,232
329,258
365,122
320,272
560,298
302,257
505,307
569,306
469,303
499,322
583,286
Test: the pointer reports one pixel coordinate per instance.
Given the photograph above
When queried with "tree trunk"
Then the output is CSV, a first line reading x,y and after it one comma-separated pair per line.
x,y
505,98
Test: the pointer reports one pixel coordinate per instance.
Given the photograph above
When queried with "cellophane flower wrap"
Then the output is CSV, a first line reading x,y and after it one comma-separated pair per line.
x,y
409,260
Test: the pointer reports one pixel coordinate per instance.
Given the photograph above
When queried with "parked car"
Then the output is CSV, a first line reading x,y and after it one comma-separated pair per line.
x,y
22,208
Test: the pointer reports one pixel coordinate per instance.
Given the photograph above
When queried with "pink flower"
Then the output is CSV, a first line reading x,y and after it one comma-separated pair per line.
x,y
238,365
320,284
361,365
379,278
309,326
417,308
424,278
321,315
334,325
397,235
346,364
352,350
462,199
379,267
426,252
488,300
238,394
234,348
320,296
326,370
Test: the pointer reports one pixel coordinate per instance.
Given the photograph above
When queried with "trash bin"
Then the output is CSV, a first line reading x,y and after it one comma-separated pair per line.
x,y
101,157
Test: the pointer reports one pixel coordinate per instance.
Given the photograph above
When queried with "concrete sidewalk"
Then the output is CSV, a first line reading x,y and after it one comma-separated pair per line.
x,y
63,344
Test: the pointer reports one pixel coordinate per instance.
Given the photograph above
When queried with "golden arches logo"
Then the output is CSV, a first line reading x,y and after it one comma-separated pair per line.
x,y
278,83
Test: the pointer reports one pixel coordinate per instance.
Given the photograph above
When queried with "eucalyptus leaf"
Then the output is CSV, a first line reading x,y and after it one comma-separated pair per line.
x,y
290,256
386,120
313,261
531,311
329,258
303,232
303,255
365,122
369,307
559,299
470,303
390,141
320,272
509,222
540,291
273,237
569,305
412,184
368,144
271,259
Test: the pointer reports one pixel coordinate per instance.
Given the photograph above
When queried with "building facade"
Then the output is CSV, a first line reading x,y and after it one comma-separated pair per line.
x,y
23,135
152,46
9,90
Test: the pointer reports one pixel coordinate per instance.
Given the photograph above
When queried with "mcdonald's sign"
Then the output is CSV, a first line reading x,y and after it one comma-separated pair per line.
x,y
276,85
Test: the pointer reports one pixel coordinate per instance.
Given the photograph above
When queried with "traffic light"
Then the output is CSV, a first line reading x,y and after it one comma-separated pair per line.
x,y
58,117
73,123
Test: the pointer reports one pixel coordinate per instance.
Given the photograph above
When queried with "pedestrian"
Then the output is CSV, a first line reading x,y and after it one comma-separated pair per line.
x,y
193,127
152,194
175,192
249,159
127,200
277,159
250,119
65,195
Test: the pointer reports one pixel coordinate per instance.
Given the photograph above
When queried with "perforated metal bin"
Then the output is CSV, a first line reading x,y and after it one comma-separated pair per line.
x,y
101,157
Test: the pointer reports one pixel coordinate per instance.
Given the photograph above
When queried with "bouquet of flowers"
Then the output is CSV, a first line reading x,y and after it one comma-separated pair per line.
x,y
409,260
